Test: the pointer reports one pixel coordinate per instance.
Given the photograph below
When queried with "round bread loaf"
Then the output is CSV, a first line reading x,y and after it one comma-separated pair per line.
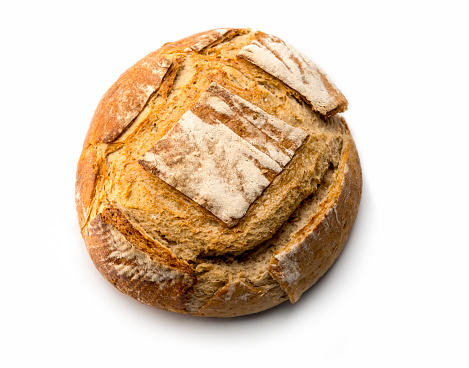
x,y
216,178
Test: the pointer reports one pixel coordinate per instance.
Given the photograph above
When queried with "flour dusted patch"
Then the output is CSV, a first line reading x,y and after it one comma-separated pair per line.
x,y
286,260
132,263
223,153
297,71
126,260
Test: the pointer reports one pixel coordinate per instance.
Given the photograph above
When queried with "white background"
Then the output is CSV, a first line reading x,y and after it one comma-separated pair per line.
x,y
397,296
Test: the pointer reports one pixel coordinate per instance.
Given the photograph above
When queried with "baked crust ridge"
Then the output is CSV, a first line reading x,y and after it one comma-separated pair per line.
x,y
145,271
304,261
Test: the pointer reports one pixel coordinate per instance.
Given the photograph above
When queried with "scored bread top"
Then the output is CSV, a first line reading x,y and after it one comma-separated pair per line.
x,y
223,153
143,163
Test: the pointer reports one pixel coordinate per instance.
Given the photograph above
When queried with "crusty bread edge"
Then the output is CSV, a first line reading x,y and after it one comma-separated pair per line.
x,y
85,183
304,261
238,298
152,281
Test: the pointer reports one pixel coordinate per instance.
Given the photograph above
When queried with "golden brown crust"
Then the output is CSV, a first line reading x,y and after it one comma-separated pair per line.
x,y
87,172
126,98
199,41
238,299
302,263
140,260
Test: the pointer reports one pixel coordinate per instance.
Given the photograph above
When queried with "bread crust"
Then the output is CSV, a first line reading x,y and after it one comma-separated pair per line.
x,y
138,265
289,65
159,281
87,173
237,298
126,98
199,41
304,260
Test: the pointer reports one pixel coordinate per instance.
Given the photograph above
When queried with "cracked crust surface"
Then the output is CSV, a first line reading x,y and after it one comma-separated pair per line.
x,y
167,250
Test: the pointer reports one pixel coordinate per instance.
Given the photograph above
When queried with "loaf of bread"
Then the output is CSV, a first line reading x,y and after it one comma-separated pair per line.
x,y
216,178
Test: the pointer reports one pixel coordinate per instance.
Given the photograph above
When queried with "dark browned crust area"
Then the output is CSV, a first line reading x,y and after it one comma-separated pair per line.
x,y
302,264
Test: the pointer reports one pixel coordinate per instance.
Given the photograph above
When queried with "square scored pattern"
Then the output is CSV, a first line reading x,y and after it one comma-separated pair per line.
x,y
223,153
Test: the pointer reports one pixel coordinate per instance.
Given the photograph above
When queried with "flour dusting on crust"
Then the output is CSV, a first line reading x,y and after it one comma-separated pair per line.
x,y
127,261
296,70
211,165
291,270
223,153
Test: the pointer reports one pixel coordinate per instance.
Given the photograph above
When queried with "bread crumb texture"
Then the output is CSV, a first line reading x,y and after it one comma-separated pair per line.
x,y
216,178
